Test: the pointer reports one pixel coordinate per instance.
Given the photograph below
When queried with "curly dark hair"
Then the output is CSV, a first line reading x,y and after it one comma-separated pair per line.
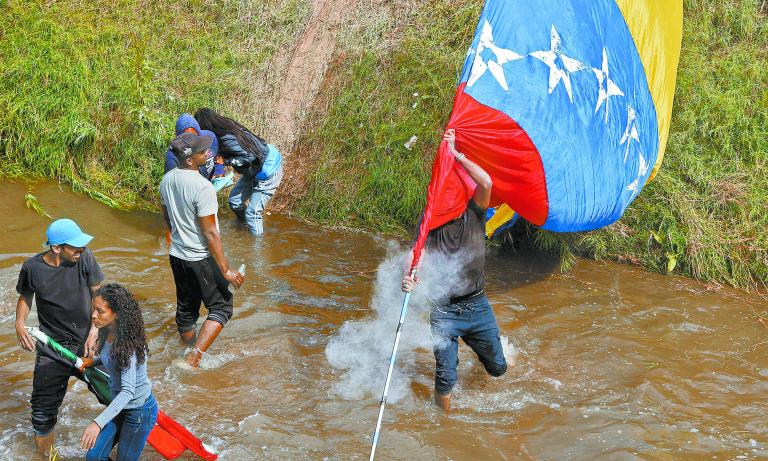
x,y
130,337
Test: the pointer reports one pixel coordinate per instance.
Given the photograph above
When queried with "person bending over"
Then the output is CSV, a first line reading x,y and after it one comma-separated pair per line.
x,y
214,164
123,352
259,164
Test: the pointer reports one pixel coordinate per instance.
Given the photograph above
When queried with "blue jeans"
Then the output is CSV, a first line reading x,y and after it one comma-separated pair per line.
x,y
473,321
129,430
259,193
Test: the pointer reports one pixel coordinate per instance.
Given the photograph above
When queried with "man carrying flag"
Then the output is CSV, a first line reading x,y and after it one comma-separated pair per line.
x,y
465,311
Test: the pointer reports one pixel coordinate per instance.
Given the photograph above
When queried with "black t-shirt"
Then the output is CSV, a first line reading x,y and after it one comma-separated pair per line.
x,y
62,294
464,238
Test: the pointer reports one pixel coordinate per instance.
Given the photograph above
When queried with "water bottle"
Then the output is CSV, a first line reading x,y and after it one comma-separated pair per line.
x,y
240,269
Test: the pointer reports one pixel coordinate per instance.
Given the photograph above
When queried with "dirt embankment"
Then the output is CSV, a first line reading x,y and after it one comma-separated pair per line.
x,y
304,74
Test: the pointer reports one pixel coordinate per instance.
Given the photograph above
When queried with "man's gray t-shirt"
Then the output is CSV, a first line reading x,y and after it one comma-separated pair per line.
x,y
187,195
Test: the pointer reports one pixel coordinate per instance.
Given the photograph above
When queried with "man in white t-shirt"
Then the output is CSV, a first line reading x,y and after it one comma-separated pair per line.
x,y
200,269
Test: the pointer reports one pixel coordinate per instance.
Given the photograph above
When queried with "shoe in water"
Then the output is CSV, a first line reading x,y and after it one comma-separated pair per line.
x,y
183,365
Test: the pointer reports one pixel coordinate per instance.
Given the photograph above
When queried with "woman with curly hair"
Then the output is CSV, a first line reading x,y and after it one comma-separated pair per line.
x,y
259,164
123,352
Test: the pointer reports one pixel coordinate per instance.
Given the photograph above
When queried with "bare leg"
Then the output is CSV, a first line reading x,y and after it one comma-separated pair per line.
x,y
208,334
44,443
443,401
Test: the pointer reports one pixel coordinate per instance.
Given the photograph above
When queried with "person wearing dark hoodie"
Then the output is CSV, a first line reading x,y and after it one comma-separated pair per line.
x,y
259,164
213,170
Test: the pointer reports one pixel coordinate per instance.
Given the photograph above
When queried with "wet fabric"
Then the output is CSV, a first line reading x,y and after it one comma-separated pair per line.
x,y
566,106
129,430
62,295
272,163
186,197
49,385
463,239
472,321
200,282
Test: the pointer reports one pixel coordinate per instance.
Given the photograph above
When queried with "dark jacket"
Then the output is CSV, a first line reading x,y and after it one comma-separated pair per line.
x,y
243,161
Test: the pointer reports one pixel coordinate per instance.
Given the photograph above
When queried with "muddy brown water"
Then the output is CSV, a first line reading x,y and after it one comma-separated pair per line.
x,y
612,362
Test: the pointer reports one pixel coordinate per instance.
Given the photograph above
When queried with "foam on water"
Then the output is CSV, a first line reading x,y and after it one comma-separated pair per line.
x,y
362,348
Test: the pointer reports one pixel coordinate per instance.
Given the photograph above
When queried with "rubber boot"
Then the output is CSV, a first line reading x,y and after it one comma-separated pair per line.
x,y
443,401
208,334
44,444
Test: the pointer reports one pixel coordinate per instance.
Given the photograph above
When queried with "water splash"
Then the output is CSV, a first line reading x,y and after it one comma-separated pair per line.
x,y
362,348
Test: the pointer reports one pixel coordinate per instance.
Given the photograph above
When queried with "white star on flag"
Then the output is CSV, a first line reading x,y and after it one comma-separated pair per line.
x,y
630,132
607,87
555,72
503,56
642,169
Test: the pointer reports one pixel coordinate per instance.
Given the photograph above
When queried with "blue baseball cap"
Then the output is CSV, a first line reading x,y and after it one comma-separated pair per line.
x,y
67,232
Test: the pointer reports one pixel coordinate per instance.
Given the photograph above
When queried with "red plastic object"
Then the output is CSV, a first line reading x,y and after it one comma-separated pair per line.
x,y
184,436
164,443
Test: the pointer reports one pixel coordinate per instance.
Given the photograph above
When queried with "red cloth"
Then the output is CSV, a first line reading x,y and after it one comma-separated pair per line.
x,y
503,149
448,193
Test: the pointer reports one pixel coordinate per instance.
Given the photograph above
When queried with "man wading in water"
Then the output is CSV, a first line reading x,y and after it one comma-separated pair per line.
x,y
62,281
466,312
200,269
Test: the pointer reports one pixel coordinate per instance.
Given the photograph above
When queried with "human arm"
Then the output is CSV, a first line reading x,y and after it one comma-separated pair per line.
x,y
26,341
410,279
89,436
212,236
88,362
95,277
410,282
243,161
166,218
123,398
482,195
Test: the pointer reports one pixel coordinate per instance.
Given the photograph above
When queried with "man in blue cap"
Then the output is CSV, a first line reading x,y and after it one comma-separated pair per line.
x,y
62,281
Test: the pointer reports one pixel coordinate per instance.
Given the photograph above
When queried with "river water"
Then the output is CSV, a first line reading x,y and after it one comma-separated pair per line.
x,y
611,362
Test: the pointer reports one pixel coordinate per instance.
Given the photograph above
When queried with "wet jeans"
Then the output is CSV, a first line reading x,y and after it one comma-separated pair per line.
x,y
49,385
473,321
129,430
259,193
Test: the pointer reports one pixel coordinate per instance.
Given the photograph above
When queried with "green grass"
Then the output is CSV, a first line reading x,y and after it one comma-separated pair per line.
x,y
89,91
378,99
705,214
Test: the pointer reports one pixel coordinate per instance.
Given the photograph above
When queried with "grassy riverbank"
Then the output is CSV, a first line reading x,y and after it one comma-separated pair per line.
x,y
89,91
705,215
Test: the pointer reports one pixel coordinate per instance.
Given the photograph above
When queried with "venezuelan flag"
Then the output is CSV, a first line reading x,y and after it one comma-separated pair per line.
x,y
566,104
